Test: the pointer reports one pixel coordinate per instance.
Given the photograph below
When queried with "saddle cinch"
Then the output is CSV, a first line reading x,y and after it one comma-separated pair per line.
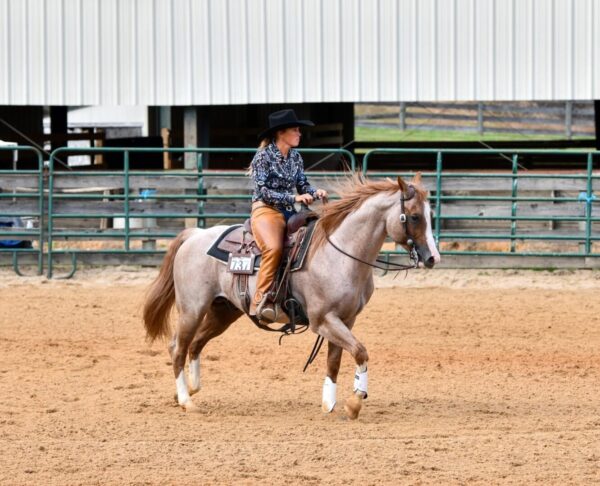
x,y
237,248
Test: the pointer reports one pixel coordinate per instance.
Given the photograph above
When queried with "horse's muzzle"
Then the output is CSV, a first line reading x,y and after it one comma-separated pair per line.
x,y
425,256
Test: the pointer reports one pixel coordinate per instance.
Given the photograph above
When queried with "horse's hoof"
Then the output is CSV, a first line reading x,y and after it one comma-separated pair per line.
x,y
190,407
193,391
353,406
327,407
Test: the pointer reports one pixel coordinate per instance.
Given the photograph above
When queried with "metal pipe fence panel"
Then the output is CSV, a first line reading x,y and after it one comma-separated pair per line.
x,y
504,218
22,209
533,215
136,208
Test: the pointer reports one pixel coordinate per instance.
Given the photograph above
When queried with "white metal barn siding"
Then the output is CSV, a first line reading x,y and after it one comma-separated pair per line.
x,y
202,52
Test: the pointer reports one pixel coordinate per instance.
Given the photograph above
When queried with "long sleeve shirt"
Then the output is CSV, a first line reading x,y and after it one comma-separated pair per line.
x,y
275,177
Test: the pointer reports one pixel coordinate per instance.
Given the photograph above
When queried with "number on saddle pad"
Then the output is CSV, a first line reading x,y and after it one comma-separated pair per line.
x,y
241,263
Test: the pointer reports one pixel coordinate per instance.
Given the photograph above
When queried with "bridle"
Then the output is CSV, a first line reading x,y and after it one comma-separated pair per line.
x,y
412,250
413,256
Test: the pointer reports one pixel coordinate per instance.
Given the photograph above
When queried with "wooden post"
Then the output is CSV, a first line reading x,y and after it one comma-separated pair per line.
x,y
165,133
98,158
190,139
190,135
480,118
402,116
569,119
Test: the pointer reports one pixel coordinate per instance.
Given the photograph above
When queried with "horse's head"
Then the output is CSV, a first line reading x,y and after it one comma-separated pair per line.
x,y
410,219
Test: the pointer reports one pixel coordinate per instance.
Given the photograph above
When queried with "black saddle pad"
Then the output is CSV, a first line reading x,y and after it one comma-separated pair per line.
x,y
223,256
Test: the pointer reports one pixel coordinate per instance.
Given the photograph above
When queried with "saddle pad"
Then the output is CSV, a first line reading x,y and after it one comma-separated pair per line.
x,y
226,243
222,254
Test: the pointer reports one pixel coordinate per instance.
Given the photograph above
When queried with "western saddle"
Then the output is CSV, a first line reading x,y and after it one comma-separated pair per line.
x,y
238,242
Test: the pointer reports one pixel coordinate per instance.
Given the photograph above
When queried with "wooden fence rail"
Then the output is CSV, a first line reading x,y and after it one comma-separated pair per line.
x,y
568,118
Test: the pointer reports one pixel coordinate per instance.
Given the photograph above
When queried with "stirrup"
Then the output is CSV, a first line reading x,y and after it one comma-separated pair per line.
x,y
267,312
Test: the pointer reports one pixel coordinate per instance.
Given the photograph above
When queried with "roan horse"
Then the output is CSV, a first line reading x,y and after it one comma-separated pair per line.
x,y
332,287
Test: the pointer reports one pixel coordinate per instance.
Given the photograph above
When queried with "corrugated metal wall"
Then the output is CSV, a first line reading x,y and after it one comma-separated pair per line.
x,y
201,52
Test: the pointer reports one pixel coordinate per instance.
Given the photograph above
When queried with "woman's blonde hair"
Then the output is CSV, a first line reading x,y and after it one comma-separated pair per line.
x,y
264,143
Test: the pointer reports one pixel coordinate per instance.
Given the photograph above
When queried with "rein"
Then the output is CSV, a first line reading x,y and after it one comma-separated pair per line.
x,y
399,266
414,257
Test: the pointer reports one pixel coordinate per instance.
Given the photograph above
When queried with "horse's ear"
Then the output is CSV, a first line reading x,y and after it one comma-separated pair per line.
x,y
403,185
417,178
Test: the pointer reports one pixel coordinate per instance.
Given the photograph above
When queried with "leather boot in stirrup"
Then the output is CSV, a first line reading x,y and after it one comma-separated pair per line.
x,y
266,310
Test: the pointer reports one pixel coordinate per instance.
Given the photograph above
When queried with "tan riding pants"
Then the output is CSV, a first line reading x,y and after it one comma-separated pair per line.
x,y
268,228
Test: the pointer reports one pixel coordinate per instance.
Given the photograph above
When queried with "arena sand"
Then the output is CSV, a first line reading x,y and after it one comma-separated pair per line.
x,y
475,377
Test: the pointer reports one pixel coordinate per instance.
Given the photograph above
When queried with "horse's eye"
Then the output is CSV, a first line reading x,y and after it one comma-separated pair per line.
x,y
414,218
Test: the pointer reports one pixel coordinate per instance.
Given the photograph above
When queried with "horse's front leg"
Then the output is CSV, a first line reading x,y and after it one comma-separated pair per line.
x,y
337,333
334,358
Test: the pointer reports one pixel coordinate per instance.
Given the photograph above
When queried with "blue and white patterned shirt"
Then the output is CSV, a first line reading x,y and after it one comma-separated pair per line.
x,y
275,177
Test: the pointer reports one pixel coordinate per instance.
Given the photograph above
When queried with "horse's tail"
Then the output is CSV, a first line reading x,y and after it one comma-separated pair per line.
x,y
160,296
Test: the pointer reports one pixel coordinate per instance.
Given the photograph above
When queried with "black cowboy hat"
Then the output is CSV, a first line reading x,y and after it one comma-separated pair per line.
x,y
283,119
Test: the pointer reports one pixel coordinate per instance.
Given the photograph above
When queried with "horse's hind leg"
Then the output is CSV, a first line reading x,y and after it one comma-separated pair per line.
x,y
189,321
218,318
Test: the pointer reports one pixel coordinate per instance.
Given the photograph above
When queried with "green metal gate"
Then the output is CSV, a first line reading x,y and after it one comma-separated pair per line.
x,y
22,197
513,182
171,194
515,208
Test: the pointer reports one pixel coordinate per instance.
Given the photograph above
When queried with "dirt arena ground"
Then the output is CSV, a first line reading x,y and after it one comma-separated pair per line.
x,y
475,377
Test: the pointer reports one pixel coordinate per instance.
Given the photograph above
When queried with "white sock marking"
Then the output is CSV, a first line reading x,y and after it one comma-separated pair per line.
x,y
195,374
182,389
329,394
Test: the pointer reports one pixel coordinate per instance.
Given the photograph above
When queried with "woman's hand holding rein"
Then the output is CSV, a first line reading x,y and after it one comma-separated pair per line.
x,y
322,194
308,199
304,198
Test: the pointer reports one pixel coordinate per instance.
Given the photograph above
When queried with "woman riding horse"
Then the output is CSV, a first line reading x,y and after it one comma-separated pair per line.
x,y
276,169
332,288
